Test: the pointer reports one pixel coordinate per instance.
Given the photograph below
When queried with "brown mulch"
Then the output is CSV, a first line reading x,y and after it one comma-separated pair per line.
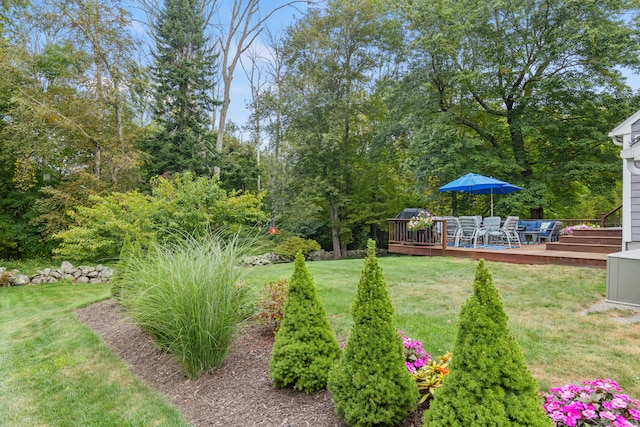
x,y
237,394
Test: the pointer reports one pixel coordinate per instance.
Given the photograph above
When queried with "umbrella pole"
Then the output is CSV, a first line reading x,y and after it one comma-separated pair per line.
x,y
491,202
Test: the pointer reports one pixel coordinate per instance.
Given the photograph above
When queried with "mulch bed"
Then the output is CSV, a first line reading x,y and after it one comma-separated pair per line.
x,y
237,394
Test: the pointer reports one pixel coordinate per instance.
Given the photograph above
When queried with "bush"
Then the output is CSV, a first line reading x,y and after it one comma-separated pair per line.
x,y
290,247
182,204
271,303
489,383
599,402
189,297
370,384
305,347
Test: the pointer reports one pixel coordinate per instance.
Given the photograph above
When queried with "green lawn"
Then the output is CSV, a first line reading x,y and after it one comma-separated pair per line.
x,y
55,372
546,307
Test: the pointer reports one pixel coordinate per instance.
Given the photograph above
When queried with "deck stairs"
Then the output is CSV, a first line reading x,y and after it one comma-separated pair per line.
x,y
595,240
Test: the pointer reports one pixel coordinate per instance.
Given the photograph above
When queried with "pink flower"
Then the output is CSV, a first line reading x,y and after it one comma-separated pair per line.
x,y
589,414
635,414
607,415
618,402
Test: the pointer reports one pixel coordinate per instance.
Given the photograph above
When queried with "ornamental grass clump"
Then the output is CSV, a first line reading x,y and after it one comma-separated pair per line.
x,y
189,297
305,345
595,403
370,384
489,383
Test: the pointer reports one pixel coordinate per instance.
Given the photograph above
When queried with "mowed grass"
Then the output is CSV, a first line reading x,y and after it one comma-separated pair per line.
x,y
547,308
55,372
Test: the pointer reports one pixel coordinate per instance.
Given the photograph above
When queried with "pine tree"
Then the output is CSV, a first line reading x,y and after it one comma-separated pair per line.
x,y
370,384
305,347
489,383
182,75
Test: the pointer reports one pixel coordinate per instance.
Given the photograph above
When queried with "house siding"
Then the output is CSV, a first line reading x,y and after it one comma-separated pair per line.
x,y
635,193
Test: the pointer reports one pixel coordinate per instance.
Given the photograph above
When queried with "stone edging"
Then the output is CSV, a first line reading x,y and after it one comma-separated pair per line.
x,y
66,271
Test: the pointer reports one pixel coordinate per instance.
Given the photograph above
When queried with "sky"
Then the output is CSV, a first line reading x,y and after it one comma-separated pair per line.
x,y
240,89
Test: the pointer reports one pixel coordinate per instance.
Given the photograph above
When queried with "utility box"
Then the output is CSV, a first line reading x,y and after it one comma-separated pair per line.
x,y
623,277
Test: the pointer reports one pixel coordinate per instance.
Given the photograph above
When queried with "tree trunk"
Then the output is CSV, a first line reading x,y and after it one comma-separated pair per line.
x,y
335,232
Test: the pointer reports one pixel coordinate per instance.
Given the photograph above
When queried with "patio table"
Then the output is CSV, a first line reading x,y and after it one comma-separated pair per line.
x,y
530,237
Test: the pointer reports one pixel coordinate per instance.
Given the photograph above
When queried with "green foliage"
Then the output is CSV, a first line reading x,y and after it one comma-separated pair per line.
x,y
489,383
290,247
429,378
370,384
189,297
305,347
182,204
271,303
183,75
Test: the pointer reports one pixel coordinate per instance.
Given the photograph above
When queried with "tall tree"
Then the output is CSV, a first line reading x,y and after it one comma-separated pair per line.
x,y
183,77
514,73
244,25
331,56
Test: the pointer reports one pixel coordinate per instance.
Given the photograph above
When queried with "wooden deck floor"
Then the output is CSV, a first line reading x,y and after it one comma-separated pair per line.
x,y
527,254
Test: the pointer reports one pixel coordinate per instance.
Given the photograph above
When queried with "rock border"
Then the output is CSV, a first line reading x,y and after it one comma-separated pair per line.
x,y
66,271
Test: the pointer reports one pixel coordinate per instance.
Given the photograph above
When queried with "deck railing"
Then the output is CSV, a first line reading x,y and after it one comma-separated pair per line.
x,y
399,233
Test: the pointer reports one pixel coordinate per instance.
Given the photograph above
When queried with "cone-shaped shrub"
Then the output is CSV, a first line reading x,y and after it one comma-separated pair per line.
x,y
489,383
305,346
370,384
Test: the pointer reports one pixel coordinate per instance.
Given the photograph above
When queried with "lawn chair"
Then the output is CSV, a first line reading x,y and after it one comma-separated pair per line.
x,y
469,227
551,232
453,230
489,224
508,233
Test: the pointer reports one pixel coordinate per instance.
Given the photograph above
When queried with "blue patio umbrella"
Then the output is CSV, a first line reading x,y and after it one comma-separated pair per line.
x,y
480,184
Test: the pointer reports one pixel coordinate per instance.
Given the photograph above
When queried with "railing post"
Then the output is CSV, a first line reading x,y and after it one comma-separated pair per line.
x,y
443,237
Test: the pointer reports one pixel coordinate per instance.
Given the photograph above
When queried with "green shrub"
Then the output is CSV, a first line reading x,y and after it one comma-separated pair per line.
x,y
189,297
271,303
182,204
370,384
489,383
305,347
290,247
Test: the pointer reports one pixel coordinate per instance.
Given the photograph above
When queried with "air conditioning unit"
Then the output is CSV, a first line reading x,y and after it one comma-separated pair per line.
x,y
623,277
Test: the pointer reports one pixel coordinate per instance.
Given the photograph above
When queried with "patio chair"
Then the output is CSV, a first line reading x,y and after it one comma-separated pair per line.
x,y
508,233
453,230
489,224
469,227
551,232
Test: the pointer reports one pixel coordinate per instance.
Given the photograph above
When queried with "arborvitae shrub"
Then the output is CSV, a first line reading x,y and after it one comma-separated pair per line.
x,y
489,383
370,384
305,346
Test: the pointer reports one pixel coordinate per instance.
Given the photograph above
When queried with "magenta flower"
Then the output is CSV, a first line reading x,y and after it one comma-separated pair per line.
x,y
607,415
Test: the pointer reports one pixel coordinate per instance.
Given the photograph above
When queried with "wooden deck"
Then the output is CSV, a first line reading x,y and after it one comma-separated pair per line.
x,y
527,254
429,243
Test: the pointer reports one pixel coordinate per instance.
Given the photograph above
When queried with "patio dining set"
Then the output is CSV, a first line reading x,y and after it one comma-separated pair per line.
x,y
492,231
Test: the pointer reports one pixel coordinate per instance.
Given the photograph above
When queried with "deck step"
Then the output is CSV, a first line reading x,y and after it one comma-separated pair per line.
x,y
592,239
605,232
584,247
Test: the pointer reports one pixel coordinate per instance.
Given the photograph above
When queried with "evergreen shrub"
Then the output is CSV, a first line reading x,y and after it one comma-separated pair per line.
x,y
370,384
489,383
305,346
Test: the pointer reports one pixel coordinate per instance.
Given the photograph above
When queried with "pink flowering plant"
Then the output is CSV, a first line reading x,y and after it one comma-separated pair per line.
x,y
414,354
568,231
420,221
595,403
